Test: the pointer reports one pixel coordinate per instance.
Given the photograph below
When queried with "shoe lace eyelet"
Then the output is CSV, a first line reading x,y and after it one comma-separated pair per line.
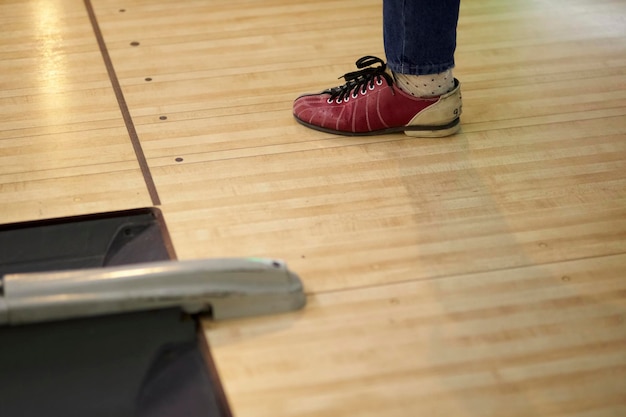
x,y
371,87
379,82
338,101
355,95
346,99
364,91
329,101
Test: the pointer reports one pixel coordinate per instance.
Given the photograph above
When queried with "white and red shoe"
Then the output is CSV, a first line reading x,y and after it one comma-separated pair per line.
x,y
368,104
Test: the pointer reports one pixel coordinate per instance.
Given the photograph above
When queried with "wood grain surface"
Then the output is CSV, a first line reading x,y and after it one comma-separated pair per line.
x,y
477,275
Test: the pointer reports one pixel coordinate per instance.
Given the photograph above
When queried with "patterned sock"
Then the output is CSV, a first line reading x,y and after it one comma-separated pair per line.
x,y
431,85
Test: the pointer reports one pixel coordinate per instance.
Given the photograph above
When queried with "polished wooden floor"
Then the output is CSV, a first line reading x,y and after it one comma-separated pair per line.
x,y
478,275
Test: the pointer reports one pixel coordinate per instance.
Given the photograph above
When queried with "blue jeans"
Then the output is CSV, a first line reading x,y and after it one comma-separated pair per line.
x,y
420,35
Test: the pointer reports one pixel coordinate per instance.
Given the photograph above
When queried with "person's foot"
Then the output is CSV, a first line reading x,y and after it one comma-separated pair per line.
x,y
369,104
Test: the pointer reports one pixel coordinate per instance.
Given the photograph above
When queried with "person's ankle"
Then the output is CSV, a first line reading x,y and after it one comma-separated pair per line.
x,y
431,85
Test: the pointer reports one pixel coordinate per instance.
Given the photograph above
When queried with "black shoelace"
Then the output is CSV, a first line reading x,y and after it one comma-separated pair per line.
x,y
359,81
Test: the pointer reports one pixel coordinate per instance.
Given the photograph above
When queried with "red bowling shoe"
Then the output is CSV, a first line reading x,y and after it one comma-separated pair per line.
x,y
369,104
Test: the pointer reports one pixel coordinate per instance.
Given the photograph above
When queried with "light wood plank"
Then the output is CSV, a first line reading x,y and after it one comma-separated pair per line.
x,y
349,215
547,340
64,147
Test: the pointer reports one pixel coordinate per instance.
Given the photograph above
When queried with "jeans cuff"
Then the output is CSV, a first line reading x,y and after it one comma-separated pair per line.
x,y
424,69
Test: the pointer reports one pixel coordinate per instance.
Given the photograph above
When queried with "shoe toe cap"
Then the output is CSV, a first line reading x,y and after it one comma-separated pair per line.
x,y
315,109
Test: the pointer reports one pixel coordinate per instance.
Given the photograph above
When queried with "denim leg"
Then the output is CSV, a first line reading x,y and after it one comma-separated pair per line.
x,y
420,35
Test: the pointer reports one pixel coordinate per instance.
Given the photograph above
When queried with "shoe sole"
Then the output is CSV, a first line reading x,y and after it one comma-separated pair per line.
x,y
412,131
